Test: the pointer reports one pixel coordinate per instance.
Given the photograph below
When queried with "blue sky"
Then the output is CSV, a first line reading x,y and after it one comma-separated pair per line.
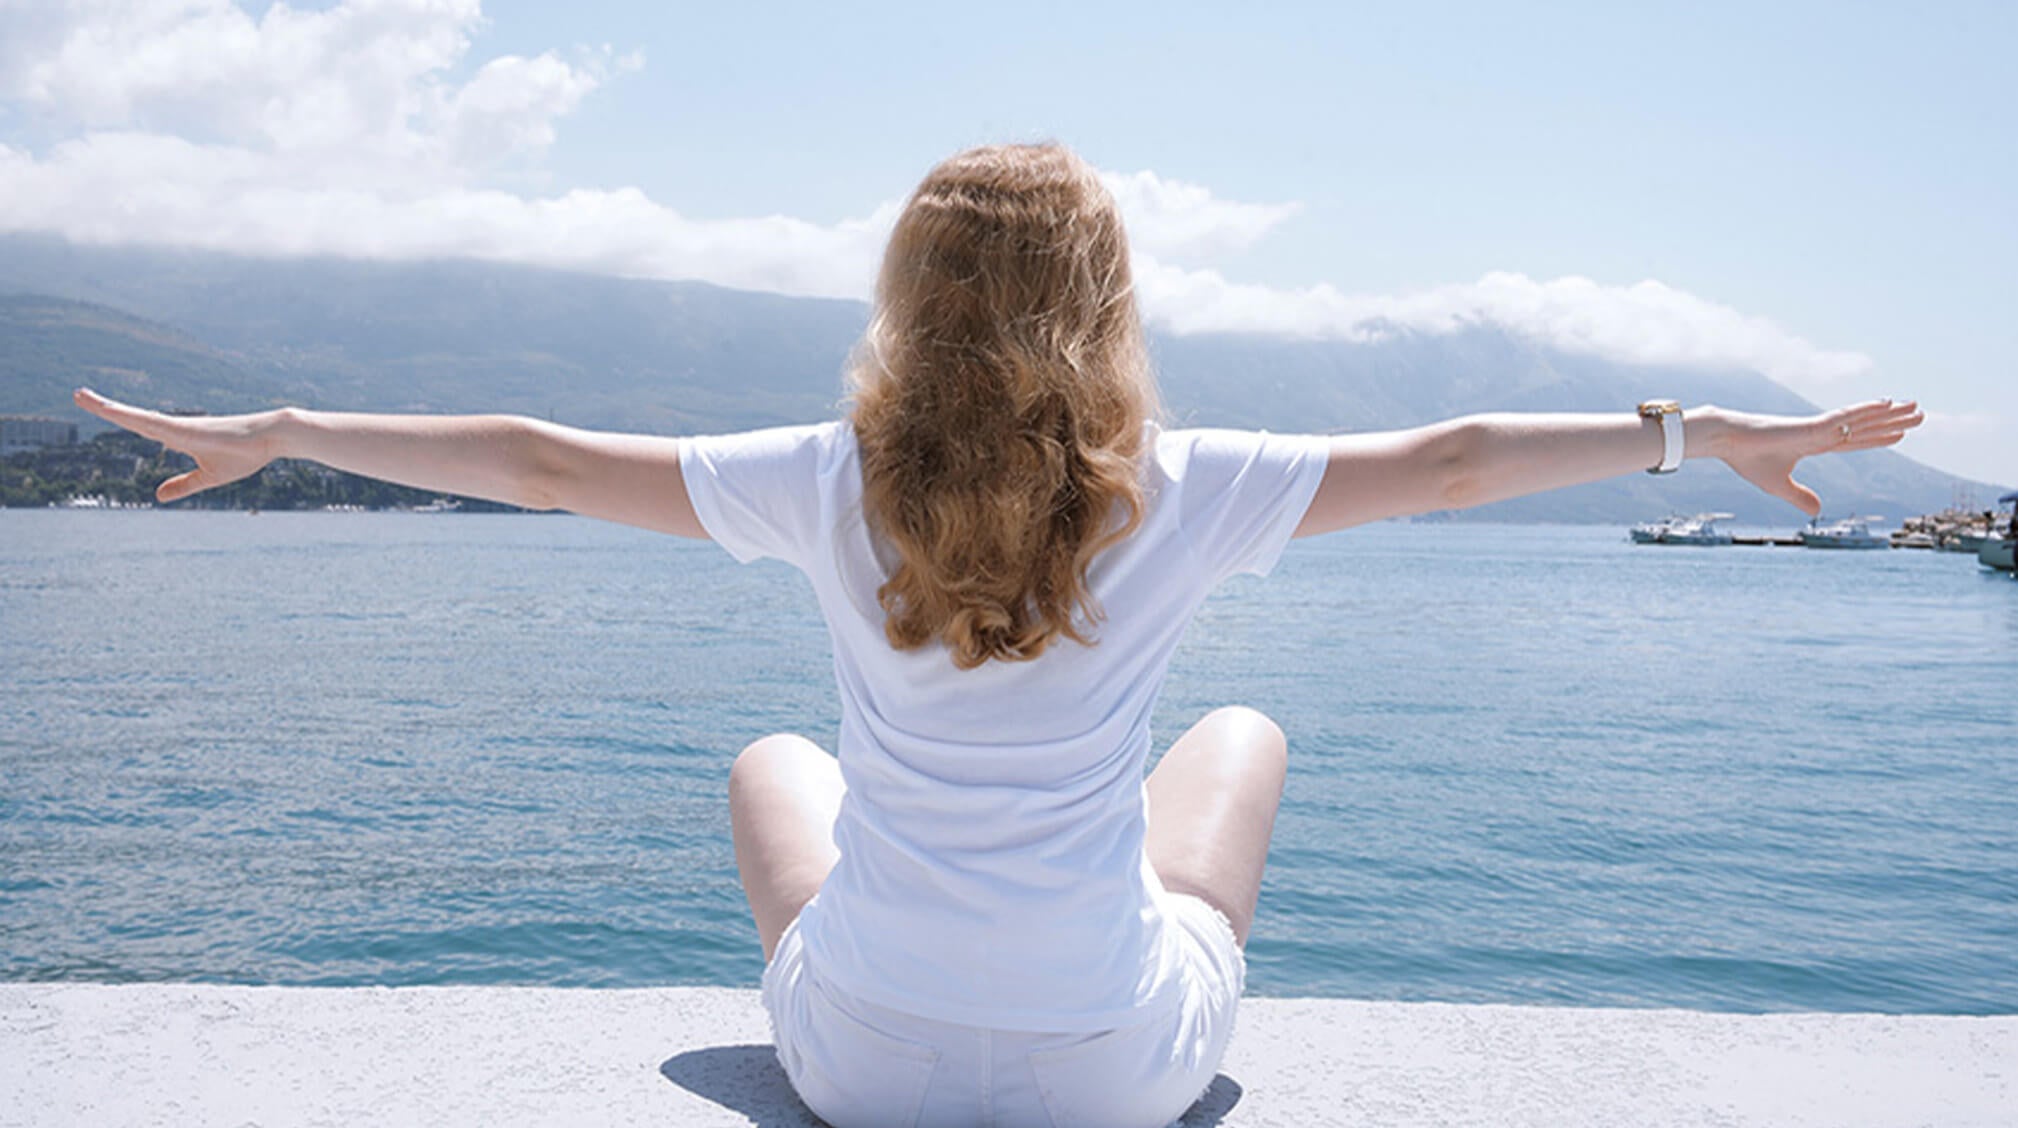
x,y
1821,191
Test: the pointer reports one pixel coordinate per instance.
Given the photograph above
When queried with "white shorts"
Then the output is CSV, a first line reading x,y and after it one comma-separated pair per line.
x,y
855,1063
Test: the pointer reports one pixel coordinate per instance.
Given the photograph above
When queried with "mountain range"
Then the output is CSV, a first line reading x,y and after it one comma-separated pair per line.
x,y
205,331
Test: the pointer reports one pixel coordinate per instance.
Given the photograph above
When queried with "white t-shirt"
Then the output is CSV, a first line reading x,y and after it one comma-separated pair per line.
x,y
992,870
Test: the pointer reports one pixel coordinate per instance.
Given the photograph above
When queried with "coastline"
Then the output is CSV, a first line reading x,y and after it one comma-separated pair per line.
x,y
193,1053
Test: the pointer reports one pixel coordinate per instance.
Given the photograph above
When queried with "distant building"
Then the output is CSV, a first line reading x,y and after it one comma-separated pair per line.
x,y
32,432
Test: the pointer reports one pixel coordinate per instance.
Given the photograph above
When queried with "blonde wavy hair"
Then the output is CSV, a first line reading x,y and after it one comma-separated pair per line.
x,y
999,400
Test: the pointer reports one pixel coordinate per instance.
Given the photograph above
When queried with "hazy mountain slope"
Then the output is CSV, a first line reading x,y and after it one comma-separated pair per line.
x,y
460,336
676,357
50,345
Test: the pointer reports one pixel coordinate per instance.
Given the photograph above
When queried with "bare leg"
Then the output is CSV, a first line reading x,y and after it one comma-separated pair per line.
x,y
1212,801
784,792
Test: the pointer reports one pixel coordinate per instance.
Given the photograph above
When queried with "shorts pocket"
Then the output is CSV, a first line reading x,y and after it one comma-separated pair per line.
x,y
851,1072
1119,1078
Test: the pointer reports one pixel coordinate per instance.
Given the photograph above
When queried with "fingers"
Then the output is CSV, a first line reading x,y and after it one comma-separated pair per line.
x,y
216,443
98,405
1885,414
147,424
182,485
133,419
1871,440
1864,426
1800,496
1903,414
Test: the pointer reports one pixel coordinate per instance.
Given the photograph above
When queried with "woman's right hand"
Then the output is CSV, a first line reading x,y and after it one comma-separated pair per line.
x,y
225,447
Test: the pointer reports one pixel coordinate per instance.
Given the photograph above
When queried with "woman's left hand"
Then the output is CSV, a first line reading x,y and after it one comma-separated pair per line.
x,y
1764,448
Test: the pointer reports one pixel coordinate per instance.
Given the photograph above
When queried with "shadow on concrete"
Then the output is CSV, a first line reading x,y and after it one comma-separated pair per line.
x,y
749,1080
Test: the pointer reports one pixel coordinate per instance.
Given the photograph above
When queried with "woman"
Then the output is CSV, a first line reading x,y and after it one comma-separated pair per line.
x,y
980,912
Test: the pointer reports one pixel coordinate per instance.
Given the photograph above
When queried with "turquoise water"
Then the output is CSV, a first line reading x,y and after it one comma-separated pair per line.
x,y
1529,765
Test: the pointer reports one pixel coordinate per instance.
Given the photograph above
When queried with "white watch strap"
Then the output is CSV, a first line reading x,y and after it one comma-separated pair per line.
x,y
1673,437
1672,443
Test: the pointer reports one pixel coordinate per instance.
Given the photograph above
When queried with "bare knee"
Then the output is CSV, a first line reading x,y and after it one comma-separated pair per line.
x,y
1250,733
766,759
1248,719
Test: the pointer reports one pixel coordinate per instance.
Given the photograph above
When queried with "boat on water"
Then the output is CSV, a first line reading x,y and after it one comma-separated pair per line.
x,y
1650,532
1700,529
1997,552
1850,532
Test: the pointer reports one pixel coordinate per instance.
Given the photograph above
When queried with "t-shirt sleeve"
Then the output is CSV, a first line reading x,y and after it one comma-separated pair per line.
x,y
1244,493
759,493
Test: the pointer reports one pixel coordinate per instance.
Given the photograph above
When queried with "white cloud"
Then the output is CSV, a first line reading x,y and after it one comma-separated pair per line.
x,y
510,106
143,188
1170,218
358,90
1646,323
342,132
347,131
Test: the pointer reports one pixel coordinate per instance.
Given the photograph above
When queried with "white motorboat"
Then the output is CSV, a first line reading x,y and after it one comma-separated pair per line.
x,y
1850,532
1700,529
1650,533
1997,552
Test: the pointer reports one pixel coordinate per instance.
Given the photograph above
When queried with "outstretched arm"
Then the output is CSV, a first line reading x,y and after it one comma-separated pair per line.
x,y
633,479
1478,459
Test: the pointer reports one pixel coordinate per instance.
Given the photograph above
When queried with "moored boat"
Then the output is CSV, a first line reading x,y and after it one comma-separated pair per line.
x,y
1850,532
1650,532
1997,552
1700,529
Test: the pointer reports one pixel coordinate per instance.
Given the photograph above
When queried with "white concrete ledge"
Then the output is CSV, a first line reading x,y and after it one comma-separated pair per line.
x,y
230,1056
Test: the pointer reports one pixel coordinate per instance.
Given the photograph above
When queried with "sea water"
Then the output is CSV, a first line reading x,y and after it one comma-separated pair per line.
x,y
1528,764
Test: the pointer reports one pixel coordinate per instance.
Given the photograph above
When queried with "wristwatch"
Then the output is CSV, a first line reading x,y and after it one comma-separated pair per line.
x,y
1670,414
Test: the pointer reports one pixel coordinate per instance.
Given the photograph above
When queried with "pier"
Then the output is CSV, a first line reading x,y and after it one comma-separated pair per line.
x,y
173,1053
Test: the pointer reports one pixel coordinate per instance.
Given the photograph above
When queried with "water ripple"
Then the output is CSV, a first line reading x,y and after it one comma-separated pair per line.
x,y
495,750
